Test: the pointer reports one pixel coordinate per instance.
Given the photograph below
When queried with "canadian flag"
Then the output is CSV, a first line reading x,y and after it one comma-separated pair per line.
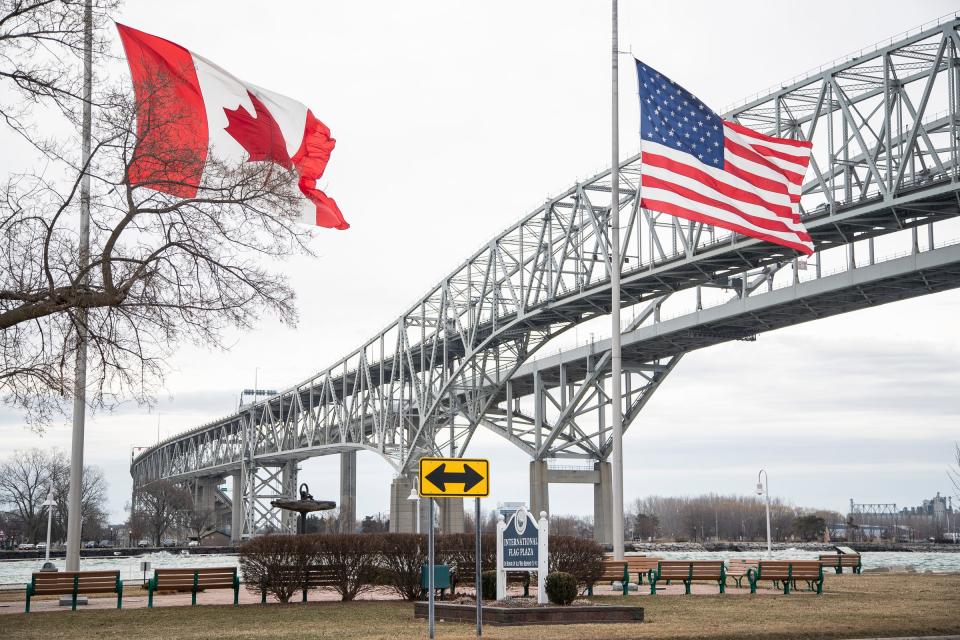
x,y
204,107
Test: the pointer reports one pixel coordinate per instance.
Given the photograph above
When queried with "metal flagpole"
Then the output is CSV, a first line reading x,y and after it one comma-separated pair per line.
x,y
615,306
74,516
477,568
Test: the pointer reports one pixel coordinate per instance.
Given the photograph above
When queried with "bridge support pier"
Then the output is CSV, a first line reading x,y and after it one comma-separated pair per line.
x,y
289,490
205,494
539,488
236,516
348,492
206,515
603,503
403,512
601,477
451,515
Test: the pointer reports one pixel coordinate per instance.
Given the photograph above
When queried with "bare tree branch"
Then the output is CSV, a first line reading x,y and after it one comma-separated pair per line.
x,y
163,269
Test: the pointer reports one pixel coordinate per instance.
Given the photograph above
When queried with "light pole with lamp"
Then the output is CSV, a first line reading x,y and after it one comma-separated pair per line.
x,y
415,497
763,489
49,504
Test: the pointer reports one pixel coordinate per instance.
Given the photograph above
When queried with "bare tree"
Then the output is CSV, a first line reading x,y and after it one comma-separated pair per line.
x,y
41,47
160,506
200,523
27,477
163,268
93,497
24,485
954,471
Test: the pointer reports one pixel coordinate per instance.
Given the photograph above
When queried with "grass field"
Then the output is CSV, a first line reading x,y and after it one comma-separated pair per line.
x,y
885,605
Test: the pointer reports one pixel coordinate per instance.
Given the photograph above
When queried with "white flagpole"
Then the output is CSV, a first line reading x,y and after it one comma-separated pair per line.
x,y
615,364
74,506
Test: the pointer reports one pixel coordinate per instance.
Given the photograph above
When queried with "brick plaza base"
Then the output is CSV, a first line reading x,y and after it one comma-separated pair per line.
x,y
510,616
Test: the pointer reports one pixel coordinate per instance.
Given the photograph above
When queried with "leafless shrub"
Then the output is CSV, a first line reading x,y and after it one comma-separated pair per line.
x,y
351,558
278,563
580,557
403,555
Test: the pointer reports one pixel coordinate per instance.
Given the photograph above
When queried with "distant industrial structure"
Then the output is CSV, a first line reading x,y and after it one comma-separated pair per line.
x,y
934,518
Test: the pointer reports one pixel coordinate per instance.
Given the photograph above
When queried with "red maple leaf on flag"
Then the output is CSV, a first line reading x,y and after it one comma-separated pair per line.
x,y
259,134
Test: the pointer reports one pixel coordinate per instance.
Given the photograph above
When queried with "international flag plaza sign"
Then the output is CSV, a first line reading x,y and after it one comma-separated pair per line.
x,y
523,545
454,478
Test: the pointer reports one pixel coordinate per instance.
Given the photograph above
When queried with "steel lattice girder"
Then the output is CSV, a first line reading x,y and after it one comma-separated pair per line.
x,y
427,381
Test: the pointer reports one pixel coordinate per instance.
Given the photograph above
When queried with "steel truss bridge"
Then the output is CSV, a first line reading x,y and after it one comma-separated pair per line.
x,y
481,347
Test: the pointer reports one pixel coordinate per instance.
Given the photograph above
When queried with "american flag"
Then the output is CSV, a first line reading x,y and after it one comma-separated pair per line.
x,y
698,166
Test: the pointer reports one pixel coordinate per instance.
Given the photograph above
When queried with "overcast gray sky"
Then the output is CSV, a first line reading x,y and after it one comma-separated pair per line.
x,y
453,120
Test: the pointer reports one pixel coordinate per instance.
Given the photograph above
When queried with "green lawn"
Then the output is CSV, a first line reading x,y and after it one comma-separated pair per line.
x,y
884,605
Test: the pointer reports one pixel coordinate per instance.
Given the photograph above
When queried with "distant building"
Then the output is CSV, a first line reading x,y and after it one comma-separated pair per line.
x,y
930,520
936,507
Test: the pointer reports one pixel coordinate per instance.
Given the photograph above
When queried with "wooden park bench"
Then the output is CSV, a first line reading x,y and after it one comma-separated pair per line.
x,y
687,571
837,561
194,580
788,572
613,571
74,583
641,565
737,568
466,575
316,577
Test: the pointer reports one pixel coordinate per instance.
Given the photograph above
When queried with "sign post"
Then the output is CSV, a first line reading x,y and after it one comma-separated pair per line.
x,y
479,584
522,545
453,478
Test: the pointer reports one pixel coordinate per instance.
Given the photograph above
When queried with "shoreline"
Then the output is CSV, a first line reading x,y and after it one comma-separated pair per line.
x,y
825,547
635,547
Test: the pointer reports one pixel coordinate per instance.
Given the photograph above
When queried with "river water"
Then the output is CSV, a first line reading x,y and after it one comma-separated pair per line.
x,y
17,572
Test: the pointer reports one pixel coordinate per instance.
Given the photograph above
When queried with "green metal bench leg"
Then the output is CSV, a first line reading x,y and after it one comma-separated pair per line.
x,y
626,581
76,587
236,592
150,595
119,595
723,586
193,595
589,590
29,591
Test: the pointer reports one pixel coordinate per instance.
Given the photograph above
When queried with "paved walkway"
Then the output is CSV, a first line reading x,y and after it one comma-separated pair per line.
x,y
136,599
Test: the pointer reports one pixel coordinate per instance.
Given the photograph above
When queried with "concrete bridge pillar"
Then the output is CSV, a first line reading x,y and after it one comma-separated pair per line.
x,y
603,504
539,487
403,511
236,520
451,514
600,476
348,492
289,490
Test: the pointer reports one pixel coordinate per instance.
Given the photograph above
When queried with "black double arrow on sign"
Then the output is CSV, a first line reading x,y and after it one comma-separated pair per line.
x,y
439,477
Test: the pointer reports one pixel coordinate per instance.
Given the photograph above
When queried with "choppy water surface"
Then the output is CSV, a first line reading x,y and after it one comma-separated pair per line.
x,y
939,562
18,571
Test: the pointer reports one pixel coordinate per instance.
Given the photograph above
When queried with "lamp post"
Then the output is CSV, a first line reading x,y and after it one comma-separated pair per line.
x,y
49,504
763,489
415,497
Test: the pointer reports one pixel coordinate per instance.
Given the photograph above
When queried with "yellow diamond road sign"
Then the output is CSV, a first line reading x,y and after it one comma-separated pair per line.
x,y
454,478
